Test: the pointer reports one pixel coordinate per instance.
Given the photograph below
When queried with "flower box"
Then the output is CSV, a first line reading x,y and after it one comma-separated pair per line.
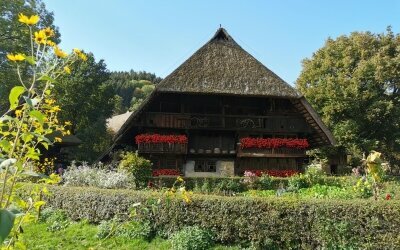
x,y
166,172
155,143
273,143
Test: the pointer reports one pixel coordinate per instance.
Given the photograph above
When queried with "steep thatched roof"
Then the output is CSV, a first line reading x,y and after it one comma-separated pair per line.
x,y
115,123
221,66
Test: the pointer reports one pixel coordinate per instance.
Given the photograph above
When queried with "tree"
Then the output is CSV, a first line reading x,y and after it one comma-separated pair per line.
x,y
13,38
354,84
132,87
87,101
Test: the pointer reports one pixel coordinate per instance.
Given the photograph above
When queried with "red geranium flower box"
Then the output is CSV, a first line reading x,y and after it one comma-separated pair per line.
x,y
166,171
157,138
248,142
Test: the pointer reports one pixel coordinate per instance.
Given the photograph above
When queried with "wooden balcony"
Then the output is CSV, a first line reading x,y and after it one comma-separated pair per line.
x,y
162,148
271,152
214,121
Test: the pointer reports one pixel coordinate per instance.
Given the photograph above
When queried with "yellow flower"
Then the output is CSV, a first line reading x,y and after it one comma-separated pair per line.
x,y
28,21
16,58
68,123
77,51
40,37
18,113
180,179
56,108
48,31
59,52
81,55
67,70
50,43
49,101
186,198
57,139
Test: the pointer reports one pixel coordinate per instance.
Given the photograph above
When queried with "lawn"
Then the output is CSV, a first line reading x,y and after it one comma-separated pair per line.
x,y
82,235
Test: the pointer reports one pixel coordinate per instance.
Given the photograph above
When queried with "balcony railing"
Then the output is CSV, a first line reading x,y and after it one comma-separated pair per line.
x,y
193,121
162,148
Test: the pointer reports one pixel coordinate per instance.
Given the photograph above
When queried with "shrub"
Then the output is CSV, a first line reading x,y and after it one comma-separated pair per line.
x,y
135,230
106,228
56,220
265,182
314,174
138,166
85,175
297,182
228,187
192,238
282,222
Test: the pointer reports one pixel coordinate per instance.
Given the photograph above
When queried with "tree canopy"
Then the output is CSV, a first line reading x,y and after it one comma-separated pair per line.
x,y
87,101
131,88
354,84
13,38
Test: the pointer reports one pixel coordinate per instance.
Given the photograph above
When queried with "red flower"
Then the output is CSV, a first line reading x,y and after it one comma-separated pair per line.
x,y
388,197
248,142
158,172
156,138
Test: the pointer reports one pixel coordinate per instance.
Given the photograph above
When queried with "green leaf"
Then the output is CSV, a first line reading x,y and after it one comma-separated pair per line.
x,y
15,93
47,78
6,224
38,115
27,137
31,60
5,145
45,145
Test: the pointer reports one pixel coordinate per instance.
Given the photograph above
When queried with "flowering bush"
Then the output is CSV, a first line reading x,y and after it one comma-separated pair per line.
x,y
86,175
158,172
156,138
249,142
272,172
137,166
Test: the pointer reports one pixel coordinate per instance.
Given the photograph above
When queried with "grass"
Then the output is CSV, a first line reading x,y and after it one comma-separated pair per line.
x,y
81,235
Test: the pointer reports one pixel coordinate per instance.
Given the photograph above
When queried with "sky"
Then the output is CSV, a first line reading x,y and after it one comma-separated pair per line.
x,y
158,35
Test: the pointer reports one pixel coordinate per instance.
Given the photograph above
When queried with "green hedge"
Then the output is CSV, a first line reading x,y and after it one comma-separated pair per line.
x,y
267,222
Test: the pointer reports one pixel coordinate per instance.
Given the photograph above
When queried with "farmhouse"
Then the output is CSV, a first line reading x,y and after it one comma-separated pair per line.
x,y
220,113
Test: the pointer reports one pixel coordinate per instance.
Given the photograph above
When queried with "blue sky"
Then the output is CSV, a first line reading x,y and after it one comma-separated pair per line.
x,y
157,36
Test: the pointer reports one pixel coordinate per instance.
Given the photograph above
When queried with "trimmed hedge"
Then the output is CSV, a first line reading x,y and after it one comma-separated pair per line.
x,y
266,222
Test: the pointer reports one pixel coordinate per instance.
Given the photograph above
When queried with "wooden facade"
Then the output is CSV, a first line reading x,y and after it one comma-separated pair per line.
x,y
220,110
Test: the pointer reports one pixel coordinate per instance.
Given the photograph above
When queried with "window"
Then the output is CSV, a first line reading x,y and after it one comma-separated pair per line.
x,y
205,166
166,163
